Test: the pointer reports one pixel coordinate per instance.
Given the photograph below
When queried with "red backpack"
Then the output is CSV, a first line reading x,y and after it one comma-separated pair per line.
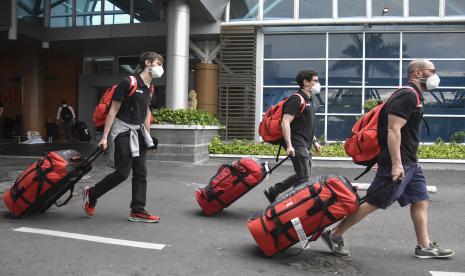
x,y
270,126
101,110
363,144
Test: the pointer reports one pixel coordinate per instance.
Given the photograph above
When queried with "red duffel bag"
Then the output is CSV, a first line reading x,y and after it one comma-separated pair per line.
x,y
231,182
302,213
46,180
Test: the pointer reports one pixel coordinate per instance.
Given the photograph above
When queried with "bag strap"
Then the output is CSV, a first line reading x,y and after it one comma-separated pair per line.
x,y
132,86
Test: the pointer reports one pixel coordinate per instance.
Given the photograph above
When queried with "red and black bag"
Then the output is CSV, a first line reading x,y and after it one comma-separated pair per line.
x,y
363,144
231,182
270,126
46,180
302,213
103,107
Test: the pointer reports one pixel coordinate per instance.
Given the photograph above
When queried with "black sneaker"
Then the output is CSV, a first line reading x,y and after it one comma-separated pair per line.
x,y
270,195
432,251
336,245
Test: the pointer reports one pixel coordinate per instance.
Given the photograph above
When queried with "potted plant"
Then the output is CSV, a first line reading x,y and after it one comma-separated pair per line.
x,y
183,134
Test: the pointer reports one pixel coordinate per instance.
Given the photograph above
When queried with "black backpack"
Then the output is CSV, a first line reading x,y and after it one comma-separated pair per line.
x,y
66,114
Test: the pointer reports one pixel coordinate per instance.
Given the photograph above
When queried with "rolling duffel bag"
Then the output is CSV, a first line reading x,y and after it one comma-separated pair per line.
x,y
302,213
46,181
81,132
231,182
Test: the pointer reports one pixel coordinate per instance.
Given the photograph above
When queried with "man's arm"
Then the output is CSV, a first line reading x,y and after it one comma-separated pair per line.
x,y
286,129
72,111
147,120
58,113
395,124
115,105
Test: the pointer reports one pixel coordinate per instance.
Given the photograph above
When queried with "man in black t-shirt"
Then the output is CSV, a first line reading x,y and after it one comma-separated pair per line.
x,y
127,127
399,131
298,129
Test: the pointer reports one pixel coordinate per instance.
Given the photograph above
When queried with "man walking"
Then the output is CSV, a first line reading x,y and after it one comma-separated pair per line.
x,y
399,124
298,130
127,126
66,117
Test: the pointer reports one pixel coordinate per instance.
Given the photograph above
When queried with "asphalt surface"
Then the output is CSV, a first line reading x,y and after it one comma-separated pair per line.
x,y
382,244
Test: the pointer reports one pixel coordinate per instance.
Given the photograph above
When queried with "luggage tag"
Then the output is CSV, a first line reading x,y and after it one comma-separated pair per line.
x,y
300,232
267,170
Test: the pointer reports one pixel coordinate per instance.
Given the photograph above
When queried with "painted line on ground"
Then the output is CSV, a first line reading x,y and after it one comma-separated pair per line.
x,y
445,273
365,186
90,238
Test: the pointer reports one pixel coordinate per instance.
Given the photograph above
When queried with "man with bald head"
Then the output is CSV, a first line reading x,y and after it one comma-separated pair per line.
x,y
399,132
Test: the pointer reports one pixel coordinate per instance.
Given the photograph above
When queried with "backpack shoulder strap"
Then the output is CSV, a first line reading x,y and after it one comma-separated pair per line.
x,y
132,86
152,87
302,102
411,89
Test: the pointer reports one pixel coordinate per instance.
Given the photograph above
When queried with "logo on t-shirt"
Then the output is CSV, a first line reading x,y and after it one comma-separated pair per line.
x,y
139,91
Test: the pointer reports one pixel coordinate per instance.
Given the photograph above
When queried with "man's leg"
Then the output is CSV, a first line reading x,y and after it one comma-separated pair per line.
x,y
364,210
139,179
419,214
301,163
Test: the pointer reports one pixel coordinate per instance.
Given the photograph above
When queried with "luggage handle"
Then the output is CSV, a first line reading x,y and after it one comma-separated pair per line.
x,y
379,189
277,165
94,155
67,199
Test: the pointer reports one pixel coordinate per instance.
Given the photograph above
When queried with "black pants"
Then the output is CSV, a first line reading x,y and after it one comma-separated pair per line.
x,y
67,129
302,163
124,162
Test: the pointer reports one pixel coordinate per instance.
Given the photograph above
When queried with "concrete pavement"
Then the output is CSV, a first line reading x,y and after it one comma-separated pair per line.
x,y
382,244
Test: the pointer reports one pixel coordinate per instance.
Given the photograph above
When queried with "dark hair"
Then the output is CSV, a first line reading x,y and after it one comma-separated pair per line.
x,y
63,102
305,74
150,56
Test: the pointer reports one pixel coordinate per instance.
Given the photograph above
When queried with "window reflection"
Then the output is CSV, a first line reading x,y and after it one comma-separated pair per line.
x,y
424,7
345,45
340,127
243,10
61,14
351,8
382,45
88,12
455,7
284,72
394,8
441,128
451,72
384,73
345,72
445,101
277,9
431,45
315,9
345,100
315,46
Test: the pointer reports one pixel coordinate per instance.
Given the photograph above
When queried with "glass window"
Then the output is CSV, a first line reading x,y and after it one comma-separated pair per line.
x,y
284,72
345,72
31,11
319,126
383,73
455,7
315,9
378,93
146,11
424,7
295,46
61,14
351,8
345,45
345,100
88,12
98,65
273,9
127,65
116,14
272,96
382,45
451,72
340,127
387,8
431,45
441,128
445,101
243,10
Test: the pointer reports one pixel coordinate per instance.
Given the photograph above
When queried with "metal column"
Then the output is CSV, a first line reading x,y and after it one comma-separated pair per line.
x,y
177,53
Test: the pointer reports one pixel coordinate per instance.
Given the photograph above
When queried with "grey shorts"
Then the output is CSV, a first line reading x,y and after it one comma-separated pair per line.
x,y
410,190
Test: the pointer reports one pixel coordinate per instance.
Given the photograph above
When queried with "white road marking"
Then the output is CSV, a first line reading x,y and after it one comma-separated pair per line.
x,y
98,239
364,187
193,184
445,273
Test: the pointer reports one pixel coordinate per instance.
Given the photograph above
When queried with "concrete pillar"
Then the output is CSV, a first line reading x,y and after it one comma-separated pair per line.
x,y
206,87
32,105
177,53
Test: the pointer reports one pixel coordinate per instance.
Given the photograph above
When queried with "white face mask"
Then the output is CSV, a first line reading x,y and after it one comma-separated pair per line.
x,y
316,88
156,72
432,82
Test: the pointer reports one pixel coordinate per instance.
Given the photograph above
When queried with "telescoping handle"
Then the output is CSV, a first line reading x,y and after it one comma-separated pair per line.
x,y
94,155
379,189
277,165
